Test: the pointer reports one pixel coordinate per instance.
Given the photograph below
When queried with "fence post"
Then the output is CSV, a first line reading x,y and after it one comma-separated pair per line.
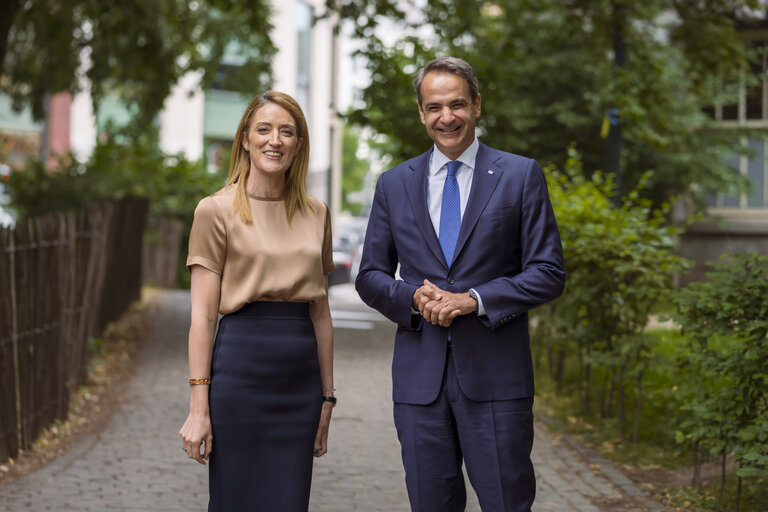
x,y
15,336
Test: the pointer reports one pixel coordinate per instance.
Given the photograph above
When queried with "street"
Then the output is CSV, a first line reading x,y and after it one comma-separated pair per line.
x,y
136,464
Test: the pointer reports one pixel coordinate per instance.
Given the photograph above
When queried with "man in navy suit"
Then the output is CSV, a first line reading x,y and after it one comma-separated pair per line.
x,y
473,232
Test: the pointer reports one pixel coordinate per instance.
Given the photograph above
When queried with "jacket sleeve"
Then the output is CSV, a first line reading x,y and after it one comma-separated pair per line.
x,y
376,281
542,278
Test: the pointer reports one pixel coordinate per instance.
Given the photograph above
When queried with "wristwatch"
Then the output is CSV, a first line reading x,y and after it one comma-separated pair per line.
x,y
331,399
473,295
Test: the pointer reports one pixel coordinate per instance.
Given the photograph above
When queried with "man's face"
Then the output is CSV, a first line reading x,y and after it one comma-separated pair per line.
x,y
448,112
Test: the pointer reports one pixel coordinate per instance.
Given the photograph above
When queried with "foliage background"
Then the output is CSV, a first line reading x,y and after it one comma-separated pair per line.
x,y
126,162
137,50
548,78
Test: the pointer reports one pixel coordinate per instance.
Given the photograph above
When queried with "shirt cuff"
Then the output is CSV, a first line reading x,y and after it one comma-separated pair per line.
x,y
480,308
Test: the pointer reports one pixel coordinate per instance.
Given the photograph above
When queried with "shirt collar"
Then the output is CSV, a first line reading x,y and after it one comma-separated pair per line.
x,y
438,159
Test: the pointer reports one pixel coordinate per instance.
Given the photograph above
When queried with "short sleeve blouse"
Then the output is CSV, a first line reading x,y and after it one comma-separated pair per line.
x,y
269,259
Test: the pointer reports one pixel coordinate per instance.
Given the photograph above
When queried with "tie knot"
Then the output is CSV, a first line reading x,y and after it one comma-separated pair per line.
x,y
452,167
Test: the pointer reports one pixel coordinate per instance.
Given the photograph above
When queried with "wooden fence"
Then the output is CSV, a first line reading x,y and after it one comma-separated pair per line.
x,y
162,246
63,278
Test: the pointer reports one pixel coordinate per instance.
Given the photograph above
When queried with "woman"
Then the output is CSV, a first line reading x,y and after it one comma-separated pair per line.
x,y
260,253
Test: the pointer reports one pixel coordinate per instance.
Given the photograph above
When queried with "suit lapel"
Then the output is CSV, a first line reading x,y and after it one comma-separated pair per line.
x,y
416,190
484,180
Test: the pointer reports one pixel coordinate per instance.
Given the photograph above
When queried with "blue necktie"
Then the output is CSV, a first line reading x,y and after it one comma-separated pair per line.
x,y
450,212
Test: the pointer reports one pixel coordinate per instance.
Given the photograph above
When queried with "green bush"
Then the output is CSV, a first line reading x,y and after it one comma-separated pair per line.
x,y
620,264
705,386
726,323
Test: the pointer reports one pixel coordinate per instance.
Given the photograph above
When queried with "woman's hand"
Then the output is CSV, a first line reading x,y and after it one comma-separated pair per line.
x,y
321,439
195,432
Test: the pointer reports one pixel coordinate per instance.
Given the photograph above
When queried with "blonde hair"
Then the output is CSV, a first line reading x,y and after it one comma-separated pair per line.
x,y
296,197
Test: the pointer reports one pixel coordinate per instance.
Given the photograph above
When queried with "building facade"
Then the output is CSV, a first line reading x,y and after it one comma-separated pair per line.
x,y
739,223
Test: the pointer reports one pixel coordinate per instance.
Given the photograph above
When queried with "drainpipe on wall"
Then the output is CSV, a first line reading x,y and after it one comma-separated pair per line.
x,y
334,176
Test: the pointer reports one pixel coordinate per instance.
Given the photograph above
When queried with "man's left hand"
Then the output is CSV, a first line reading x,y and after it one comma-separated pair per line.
x,y
449,306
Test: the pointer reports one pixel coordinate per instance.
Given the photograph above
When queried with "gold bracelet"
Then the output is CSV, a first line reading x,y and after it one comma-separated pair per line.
x,y
195,382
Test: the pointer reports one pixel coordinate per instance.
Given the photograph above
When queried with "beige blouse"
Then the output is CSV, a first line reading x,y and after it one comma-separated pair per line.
x,y
268,259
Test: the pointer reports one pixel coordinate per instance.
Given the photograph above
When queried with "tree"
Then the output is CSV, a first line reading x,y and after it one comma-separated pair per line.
x,y
136,49
620,263
353,169
726,322
548,78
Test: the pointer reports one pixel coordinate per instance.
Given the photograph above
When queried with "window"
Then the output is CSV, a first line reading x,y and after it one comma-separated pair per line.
x,y
750,111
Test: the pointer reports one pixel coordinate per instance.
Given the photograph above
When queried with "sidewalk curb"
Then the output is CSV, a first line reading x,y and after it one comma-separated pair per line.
x,y
593,458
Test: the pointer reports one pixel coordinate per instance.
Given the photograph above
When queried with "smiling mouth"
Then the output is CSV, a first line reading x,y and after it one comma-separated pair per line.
x,y
273,154
448,130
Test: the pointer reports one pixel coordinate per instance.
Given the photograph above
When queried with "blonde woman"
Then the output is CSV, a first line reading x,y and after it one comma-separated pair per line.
x,y
261,395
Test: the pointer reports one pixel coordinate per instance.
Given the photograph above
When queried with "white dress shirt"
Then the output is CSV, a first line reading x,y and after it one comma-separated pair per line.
x,y
436,181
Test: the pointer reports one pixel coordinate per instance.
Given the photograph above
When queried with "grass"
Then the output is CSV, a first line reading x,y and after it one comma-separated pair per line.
x,y
754,495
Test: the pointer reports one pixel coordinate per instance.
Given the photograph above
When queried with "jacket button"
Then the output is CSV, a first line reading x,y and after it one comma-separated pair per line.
x,y
451,280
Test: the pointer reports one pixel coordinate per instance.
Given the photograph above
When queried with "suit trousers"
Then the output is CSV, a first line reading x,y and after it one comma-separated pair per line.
x,y
494,439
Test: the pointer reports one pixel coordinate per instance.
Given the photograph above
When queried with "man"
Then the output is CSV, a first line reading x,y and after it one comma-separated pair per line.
x,y
473,232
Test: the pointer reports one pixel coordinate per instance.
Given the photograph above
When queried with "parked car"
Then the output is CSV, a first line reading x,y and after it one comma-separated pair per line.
x,y
347,249
342,259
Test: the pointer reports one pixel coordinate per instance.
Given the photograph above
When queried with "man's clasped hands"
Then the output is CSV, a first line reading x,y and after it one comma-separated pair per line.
x,y
440,307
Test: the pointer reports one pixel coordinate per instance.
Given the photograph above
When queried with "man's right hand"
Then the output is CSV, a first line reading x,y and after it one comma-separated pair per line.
x,y
426,293
439,307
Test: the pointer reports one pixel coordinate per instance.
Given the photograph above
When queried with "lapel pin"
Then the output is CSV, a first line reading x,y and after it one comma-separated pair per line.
x,y
490,171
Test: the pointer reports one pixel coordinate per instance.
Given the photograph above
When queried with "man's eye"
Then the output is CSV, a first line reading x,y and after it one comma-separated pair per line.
x,y
433,108
458,105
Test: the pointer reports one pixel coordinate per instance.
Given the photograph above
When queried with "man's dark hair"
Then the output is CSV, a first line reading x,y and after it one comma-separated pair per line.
x,y
452,65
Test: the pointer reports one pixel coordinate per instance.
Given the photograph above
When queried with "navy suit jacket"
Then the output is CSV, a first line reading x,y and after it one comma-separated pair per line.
x,y
508,250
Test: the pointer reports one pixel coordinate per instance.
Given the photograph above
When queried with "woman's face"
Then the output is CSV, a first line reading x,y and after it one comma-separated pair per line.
x,y
271,140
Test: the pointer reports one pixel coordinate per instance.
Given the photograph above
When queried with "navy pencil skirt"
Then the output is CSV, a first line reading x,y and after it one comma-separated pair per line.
x,y
265,402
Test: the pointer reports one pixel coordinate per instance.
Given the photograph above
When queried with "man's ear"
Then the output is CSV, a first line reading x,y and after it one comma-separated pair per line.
x,y
422,116
477,105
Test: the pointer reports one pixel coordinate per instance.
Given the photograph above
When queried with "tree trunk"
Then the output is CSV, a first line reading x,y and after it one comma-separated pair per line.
x,y
587,389
604,397
696,480
638,405
613,143
722,484
612,392
738,494
559,370
551,362
8,10
581,376
622,405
